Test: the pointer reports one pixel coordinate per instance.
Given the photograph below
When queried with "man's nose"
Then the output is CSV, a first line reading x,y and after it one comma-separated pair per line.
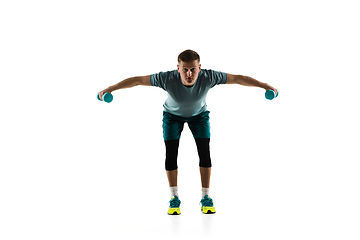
x,y
189,73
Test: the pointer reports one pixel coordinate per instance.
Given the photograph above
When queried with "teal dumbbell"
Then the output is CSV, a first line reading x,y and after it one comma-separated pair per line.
x,y
107,97
270,94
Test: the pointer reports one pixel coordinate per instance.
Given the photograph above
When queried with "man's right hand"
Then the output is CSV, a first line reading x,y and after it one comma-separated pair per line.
x,y
101,93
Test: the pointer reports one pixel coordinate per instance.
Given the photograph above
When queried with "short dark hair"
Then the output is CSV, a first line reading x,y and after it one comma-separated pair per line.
x,y
188,56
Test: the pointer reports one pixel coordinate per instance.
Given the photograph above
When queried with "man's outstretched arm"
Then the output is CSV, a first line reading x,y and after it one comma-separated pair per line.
x,y
248,81
127,83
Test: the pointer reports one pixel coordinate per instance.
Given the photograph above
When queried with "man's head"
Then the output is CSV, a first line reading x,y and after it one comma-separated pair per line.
x,y
189,67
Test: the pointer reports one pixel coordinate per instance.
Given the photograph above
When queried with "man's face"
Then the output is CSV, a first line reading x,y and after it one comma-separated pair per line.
x,y
189,72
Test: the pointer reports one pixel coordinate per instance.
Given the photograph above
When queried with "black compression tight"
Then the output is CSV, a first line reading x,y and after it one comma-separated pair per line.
x,y
172,146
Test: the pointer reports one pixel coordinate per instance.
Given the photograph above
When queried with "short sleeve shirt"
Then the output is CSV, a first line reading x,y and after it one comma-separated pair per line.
x,y
187,101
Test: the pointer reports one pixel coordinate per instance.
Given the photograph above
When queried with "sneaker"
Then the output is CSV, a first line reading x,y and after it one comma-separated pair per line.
x,y
174,208
207,205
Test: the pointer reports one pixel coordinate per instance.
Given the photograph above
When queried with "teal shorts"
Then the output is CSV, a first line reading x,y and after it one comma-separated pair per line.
x,y
173,125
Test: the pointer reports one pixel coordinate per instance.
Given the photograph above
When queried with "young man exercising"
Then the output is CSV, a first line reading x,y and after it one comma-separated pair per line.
x,y
187,88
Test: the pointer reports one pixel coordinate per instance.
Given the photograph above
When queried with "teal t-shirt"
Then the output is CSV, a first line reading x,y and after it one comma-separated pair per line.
x,y
187,101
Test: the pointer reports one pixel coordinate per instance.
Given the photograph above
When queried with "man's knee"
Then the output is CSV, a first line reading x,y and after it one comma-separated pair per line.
x,y
203,146
172,147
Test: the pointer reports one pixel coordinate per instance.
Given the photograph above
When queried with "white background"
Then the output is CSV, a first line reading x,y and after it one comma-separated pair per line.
x,y
73,167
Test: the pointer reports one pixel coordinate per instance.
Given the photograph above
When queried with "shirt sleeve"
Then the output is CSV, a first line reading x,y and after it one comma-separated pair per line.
x,y
160,79
217,78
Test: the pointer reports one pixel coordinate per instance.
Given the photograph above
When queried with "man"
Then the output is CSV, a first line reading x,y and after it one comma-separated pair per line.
x,y
187,88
